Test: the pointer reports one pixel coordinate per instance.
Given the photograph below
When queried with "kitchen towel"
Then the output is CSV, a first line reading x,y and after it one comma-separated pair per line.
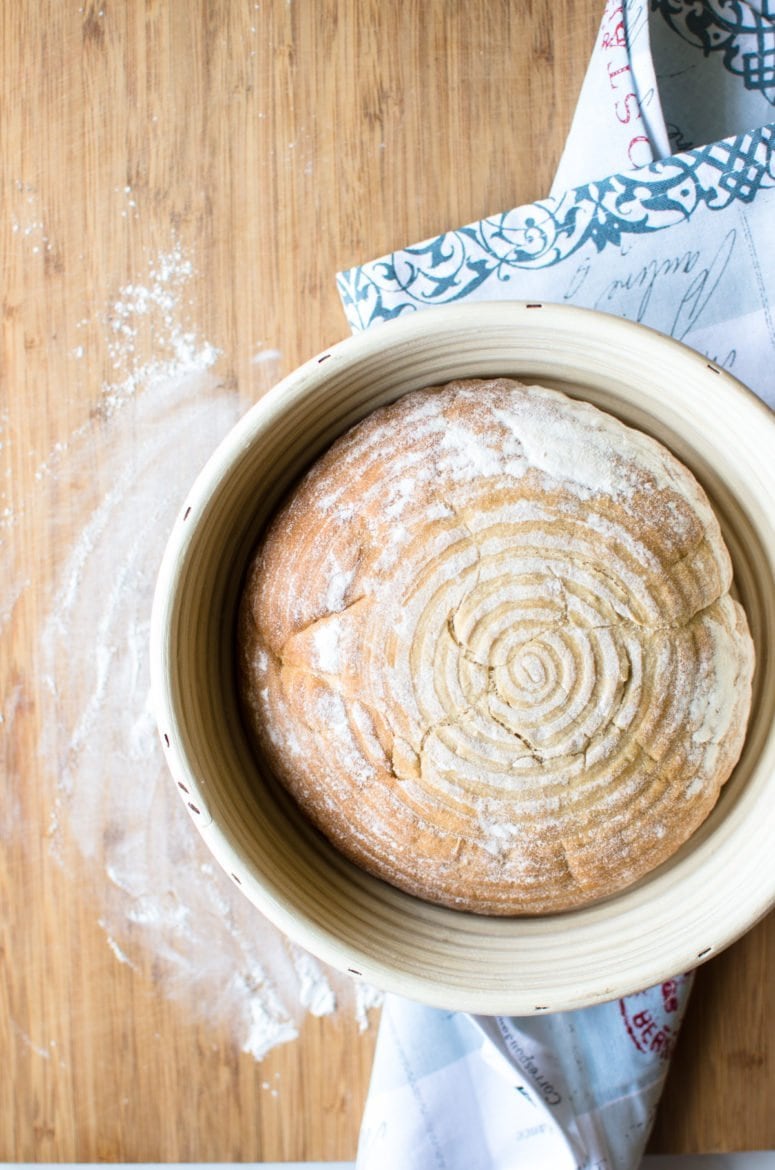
x,y
683,243
663,212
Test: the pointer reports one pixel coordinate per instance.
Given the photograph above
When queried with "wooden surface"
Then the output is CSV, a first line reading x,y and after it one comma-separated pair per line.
x,y
276,143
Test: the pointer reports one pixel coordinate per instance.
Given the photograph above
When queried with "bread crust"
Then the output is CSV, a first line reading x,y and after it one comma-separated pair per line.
x,y
489,647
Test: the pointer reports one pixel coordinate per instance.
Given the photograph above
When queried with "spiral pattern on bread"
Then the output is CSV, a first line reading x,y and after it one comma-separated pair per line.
x,y
488,645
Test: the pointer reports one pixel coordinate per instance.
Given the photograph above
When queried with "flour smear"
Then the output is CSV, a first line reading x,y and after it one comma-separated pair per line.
x,y
114,809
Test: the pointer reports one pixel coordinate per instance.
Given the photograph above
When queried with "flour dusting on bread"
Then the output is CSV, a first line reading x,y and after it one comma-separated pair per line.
x,y
488,645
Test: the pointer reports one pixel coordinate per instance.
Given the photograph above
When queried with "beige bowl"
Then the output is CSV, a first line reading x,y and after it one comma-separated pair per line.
x,y
714,889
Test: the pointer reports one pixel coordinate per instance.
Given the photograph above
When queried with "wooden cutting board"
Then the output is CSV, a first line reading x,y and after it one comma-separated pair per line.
x,y
254,149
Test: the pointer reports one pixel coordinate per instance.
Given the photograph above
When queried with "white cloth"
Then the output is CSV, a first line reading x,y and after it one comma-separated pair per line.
x,y
560,1091
684,242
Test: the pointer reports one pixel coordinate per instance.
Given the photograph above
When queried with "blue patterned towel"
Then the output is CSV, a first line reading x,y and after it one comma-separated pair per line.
x,y
663,212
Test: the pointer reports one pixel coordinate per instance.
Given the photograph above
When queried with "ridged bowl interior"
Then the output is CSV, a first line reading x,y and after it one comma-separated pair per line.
x,y
714,889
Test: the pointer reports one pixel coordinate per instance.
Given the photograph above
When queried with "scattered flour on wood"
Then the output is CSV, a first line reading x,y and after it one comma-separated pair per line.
x,y
113,807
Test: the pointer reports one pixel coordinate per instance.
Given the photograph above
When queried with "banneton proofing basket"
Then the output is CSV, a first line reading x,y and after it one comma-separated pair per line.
x,y
720,882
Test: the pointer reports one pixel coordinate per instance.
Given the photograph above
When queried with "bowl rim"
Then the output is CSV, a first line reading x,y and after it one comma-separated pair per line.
x,y
345,355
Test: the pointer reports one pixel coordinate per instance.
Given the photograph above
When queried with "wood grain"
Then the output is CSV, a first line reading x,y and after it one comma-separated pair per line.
x,y
276,143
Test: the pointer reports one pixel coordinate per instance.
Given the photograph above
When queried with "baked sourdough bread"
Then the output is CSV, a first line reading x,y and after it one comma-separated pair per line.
x,y
488,645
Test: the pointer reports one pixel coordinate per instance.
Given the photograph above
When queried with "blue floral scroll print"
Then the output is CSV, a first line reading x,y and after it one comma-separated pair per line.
x,y
602,214
744,33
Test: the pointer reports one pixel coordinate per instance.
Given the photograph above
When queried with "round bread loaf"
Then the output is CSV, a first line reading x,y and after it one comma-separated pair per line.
x,y
489,647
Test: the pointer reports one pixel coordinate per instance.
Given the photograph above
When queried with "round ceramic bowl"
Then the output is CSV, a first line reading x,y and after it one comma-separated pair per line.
x,y
719,883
